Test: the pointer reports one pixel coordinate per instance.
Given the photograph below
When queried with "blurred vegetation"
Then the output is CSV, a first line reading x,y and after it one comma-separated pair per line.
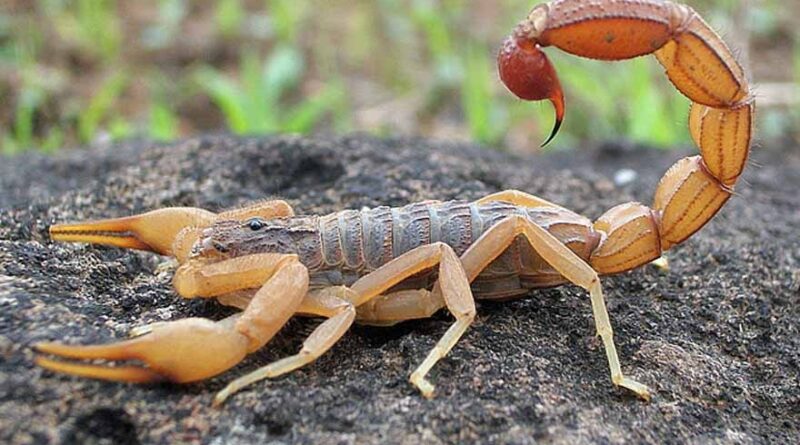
x,y
87,71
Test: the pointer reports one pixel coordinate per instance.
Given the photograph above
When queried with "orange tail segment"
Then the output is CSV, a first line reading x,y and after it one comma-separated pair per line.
x,y
699,64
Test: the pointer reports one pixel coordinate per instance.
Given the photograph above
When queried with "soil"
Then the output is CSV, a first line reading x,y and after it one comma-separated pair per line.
x,y
717,336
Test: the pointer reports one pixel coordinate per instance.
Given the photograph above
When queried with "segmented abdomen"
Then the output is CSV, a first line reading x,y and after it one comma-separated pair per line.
x,y
354,242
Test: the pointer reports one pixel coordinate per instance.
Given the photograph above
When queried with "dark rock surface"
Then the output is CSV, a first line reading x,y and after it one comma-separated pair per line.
x,y
717,337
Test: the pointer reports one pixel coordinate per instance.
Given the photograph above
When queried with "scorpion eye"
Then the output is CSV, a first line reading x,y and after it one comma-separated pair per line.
x,y
255,224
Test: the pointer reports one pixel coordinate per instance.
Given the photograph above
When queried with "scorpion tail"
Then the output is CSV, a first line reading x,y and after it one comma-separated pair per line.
x,y
527,72
697,62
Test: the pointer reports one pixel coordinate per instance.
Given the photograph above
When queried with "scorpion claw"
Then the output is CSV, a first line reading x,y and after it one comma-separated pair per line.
x,y
155,231
132,374
181,351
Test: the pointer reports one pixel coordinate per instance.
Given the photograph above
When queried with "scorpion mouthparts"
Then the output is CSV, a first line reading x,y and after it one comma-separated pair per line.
x,y
209,246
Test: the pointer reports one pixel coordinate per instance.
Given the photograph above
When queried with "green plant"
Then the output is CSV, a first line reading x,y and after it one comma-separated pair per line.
x,y
229,16
286,17
167,25
256,103
99,25
486,117
163,124
100,105
433,23
294,66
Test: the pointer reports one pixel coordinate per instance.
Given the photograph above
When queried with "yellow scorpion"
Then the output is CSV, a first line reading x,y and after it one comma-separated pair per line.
x,y
386,265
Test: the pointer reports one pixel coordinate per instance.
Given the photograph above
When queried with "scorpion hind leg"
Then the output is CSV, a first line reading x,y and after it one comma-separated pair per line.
x,y
497,239
402,305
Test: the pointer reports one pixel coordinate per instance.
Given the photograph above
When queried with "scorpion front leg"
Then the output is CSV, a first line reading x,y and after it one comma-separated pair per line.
x,y
394,307
195,349
332,303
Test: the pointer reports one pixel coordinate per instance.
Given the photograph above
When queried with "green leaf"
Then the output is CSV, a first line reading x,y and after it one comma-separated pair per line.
x,y
476,99
229,16
163,122
306,115
283,70
226,95
100,105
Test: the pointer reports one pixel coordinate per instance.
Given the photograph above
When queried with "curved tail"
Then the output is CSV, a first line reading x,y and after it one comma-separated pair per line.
x,y
697,62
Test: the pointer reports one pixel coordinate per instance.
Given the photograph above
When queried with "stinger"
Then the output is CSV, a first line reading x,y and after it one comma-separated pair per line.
x,y
527,72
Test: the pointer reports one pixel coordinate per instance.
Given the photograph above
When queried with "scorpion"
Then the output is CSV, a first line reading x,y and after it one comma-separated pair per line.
x,y
386,265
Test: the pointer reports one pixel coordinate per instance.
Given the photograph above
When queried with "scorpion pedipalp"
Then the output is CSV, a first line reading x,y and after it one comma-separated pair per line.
x,y
155,231
182,351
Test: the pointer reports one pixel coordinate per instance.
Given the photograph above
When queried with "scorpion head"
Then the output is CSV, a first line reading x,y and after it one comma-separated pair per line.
x,y
233,238
185,232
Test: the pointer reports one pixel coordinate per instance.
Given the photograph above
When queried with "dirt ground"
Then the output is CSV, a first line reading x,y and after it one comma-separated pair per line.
x,y
717,336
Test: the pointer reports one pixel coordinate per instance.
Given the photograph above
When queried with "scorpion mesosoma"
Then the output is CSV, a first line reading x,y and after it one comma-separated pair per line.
x,y
385,265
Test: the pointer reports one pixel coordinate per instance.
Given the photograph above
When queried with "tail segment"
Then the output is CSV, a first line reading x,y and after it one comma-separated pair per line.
x,y
697,62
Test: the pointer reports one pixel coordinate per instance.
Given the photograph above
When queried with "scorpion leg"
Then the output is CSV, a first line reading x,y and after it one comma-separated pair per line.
x,y
567,263
233,282
518,198
195,349
332,303
195,278
384,310
395,307
454,289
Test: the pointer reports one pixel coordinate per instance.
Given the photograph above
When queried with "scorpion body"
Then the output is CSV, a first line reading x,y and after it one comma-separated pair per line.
x,y
386,265
342,247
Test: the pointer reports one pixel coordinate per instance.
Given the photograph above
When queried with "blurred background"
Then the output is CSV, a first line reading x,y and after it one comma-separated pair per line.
x,y
95,71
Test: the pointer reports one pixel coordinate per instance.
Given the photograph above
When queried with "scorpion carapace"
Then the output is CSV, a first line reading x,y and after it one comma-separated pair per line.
x,y
385,265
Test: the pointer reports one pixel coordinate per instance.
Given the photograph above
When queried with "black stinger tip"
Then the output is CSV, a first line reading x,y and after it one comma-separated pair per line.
x,y
553,133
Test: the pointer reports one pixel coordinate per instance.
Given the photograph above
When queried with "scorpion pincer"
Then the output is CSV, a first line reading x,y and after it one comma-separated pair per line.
x,y
386,265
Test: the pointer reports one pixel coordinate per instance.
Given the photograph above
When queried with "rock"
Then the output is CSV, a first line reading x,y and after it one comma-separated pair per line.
x,y
718,340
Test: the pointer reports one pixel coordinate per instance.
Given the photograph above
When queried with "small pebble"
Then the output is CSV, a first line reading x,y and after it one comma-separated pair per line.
x,y
624,176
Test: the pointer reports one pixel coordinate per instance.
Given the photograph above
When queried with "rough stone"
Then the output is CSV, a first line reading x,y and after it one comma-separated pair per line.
x,y
717,336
